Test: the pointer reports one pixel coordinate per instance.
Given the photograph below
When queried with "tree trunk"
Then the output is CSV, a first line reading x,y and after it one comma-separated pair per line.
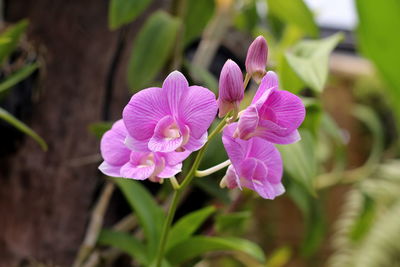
x,y
45,199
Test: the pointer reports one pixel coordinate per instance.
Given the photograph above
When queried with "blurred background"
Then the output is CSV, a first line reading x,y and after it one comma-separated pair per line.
x,y
69,67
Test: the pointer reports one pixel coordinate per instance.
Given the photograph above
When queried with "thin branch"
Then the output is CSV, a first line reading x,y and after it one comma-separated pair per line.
x,y
95,224
212,38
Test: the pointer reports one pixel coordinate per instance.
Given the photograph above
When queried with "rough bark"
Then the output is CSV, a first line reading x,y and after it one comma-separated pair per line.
x,y
44,200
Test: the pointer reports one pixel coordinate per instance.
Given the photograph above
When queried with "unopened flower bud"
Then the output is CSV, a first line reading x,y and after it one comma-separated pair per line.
x,y
256,60
231,88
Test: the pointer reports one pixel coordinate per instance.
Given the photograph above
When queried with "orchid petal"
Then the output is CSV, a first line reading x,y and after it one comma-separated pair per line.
x,y
170,170
278,189
253,169
136,145
143,112
198,110
288,109
270,156
264,189
248,122
195,144
175,86
112,145
110,170
233,146
138,172
290,138
160,141
173,158
268,84
232,179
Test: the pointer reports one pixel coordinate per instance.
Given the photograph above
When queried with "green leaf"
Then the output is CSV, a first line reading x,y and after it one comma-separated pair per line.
x,y
364,220
309,60
247,18
149,214
204,76
187,225
125,242
122,12
12,36
314,113
329,125
232,222
197,16
368,116
300,162
99,128
378,40
198,245
294,12
17,76
315,228
288,78
313,217
151,49
22,127
279,257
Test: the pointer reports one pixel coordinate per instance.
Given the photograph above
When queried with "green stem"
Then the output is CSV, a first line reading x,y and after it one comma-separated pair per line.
x,y
246,80
167,226
213,169
175,200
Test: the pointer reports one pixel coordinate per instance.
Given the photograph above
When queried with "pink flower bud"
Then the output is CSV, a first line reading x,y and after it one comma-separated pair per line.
x,y
231,88
256,60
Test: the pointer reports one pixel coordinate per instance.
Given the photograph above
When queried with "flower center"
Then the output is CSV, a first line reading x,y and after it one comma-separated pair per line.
x,y
172,132
147,161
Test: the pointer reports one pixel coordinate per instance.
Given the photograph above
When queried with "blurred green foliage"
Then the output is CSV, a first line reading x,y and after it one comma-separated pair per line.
x,y
369,225
123,12
10,39
379,41
151,49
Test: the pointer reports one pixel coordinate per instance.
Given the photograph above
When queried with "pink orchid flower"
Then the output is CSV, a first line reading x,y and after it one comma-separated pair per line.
x,y
231,88
255,164
273,114
256,59
120,161
172,118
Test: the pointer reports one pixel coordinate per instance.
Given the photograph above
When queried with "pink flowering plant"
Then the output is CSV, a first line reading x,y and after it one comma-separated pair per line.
x,y
162,126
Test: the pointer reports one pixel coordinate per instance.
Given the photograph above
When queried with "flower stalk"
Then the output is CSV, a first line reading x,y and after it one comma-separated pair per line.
x,y
213,169
179,190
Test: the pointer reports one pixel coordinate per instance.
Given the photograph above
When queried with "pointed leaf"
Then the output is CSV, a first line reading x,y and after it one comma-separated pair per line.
x,y
204,77
313,217
22,127
294,12
125,242
123,12
149,214
151,49
309,60
187,225
368,116
11,37
300,162
198,245
379,40
17,76
234,222
197,15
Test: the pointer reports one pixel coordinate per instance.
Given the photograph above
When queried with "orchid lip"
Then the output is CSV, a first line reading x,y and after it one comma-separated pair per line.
x,y
147,161
172,132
